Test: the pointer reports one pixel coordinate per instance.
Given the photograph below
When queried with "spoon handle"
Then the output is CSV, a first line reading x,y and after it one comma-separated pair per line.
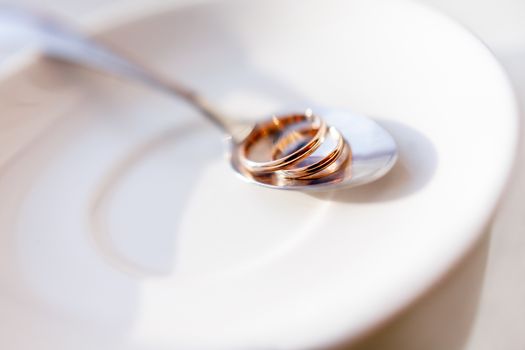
x,y
59,41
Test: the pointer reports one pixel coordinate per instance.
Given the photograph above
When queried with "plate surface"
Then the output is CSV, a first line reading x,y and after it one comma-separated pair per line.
x,y
123,227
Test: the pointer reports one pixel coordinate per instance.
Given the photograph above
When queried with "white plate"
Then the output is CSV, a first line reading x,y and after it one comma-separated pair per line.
x,y
122,226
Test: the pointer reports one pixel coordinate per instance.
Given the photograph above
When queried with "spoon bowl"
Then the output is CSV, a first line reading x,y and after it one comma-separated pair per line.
x,y
374,153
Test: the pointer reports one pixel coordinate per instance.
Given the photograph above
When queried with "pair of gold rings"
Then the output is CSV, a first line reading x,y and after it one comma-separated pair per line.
x,y
294,147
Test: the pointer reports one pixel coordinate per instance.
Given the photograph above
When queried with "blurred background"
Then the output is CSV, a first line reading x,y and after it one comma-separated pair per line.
x,y
499,321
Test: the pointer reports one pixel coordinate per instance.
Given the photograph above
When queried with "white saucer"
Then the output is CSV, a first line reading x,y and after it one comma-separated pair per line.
x,y
122,226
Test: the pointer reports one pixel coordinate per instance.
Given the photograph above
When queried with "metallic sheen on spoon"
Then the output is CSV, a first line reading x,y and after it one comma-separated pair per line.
x,y
322,149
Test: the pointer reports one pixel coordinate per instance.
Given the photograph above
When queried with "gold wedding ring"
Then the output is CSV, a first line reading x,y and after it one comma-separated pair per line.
x,y
273,128
296,149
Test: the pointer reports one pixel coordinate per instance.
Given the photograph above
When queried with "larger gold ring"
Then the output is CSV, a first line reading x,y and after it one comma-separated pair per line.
x,y
274,126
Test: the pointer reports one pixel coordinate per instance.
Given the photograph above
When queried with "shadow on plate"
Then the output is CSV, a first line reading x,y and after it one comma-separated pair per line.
x,y
414,169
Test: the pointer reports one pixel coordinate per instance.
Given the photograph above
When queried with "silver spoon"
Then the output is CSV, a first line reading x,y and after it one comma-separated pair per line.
x,y
372,151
